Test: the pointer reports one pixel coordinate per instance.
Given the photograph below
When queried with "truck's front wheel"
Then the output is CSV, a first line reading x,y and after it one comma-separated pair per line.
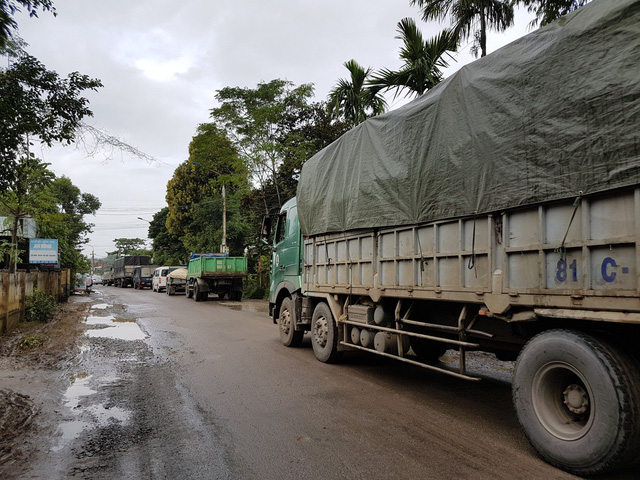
x,y
324,334
288,334
578,400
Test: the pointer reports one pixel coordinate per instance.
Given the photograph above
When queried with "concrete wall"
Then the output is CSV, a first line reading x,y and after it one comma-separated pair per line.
x,y
14,287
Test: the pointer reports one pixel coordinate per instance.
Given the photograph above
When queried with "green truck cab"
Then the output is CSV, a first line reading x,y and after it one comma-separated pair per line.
x,y
282,233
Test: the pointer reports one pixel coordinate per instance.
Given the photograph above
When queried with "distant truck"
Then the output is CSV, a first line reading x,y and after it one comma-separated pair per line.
x,y
499,212
215,273
142,276
123,269
107,277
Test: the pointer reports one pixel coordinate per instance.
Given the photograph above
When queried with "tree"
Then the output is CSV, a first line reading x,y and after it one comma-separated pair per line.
x,y
309,131
168,248
25,197
9,7
130,246
352,100
470,17
549,10
257,120
64,219
213,163
36,103
422,61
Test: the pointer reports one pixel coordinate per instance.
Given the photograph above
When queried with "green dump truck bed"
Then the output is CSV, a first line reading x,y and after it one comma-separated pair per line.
x,y
205,266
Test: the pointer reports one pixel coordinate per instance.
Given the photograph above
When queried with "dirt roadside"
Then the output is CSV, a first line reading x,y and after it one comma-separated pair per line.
x,y
35,359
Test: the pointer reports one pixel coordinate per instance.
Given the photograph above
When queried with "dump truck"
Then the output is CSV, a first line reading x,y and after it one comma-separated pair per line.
x,y
215,273
123,268
499,212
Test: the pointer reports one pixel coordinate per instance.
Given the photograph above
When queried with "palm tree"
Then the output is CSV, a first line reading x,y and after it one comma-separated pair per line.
x,y
422,61
470,17
352,100
549,10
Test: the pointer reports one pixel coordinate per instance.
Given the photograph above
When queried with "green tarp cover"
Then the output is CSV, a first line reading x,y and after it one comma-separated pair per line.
x,y
546,117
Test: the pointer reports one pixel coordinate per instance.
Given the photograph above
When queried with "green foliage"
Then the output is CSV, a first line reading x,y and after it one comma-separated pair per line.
x,y
256,286
467,15
130,246
39,306
37,103
549,10
9,7
422,61
168,248
25,196
258,122
63,218
29,343
352,99
205,232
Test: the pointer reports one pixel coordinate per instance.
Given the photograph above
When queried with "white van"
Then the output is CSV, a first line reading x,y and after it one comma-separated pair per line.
x,y
159,282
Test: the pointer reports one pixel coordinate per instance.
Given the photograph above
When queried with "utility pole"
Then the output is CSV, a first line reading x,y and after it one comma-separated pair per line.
x,y
223,247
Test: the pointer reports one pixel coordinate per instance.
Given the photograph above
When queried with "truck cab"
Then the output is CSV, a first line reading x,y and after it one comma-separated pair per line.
x,y
282,233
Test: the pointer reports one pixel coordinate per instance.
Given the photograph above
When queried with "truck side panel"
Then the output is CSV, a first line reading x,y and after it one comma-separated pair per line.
x,y
573,255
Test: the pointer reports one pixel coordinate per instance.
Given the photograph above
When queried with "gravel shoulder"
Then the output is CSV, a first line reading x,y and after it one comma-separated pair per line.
x,y
35,361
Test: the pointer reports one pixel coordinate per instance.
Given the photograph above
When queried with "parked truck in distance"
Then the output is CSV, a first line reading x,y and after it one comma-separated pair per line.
x,y
142,276
107,277
499,212
215,273
123,268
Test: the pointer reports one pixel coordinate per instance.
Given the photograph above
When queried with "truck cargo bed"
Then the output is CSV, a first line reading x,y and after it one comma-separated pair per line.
x,y
580,254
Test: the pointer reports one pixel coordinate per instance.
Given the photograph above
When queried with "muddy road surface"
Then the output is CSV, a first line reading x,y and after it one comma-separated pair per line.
x,y
163,387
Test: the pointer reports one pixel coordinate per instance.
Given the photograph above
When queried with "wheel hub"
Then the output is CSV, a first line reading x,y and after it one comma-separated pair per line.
x,y
562,401
576,399
285,322
321,332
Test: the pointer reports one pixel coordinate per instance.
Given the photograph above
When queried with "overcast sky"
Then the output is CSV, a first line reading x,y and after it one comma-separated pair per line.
x,y
162,61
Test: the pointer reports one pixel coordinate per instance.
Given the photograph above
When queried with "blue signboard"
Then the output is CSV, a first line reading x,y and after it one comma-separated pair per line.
x,y
43,250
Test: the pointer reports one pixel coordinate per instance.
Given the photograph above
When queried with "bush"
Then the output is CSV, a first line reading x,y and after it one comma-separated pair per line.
x,y
30,342
256,287
39,307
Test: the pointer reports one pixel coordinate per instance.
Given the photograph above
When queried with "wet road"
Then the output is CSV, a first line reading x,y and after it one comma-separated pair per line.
x,y
166,387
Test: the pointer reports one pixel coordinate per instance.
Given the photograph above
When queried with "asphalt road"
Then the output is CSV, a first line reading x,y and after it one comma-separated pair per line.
x,y
206,390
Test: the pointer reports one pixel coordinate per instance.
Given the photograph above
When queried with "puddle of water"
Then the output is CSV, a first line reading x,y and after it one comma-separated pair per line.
x,y
76,390
101,306
69,431
99,320
119,331
116,328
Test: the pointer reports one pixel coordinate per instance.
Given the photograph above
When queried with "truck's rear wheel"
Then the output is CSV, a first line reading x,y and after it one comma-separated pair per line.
x,y
578,400
288,334
196,292
324,334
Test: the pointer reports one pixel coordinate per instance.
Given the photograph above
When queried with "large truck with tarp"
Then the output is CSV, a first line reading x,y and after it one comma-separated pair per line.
x,y
498,212
215,273
123,268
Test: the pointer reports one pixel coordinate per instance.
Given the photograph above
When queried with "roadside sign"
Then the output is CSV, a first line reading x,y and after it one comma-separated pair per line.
x,y
43,250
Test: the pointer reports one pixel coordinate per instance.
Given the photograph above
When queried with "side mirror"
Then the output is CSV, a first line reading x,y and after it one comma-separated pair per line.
x,y
265,232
